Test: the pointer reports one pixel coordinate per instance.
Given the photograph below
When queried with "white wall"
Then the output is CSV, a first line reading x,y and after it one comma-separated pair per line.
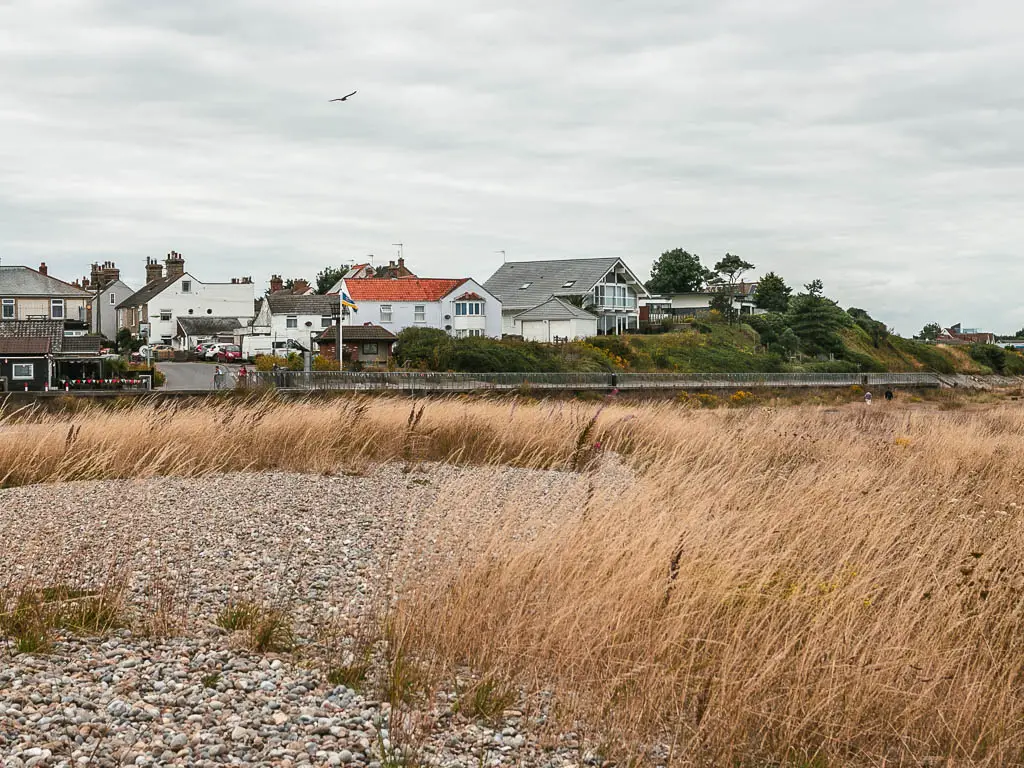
x,y
204,299
548,330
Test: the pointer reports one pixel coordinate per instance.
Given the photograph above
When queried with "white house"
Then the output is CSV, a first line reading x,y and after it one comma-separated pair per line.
x,y
556,320
459,306
609,289
285,320
153,311
657,308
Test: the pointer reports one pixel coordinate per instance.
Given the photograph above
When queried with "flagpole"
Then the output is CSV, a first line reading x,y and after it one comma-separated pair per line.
x,y
341,317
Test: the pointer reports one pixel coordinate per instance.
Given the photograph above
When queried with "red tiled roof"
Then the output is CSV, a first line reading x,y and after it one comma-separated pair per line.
x,y
469,296
402,289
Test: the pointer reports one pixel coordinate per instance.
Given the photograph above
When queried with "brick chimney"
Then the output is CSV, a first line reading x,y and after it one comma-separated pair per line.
x,y
175,264
401,263
110,273
300,287
42,268
276,283
95,275
154,270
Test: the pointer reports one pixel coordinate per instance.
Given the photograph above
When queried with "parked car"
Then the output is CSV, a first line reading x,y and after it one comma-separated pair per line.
x,y
229,353
210,351
201,348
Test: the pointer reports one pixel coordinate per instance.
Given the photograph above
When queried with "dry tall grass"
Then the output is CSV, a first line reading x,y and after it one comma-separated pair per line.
x,y
803,587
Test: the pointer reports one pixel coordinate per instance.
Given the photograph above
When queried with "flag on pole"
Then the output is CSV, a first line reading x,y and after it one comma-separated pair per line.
x,y
346,299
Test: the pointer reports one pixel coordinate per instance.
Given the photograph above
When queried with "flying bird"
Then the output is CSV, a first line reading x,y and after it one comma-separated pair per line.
x,y
345,98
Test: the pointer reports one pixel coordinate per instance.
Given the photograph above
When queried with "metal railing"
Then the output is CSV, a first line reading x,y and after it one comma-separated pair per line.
x,y
384,381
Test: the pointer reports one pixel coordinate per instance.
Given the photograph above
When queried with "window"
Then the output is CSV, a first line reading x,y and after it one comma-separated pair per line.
x,y
385,313
165,340
475,332
524,286
165,315
568,283
419,312
113,300
292,322
186,286
370,348
8,313
57,309
326,321
23,371
463,308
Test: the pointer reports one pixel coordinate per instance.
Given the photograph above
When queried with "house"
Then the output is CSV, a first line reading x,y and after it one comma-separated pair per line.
x,y
32,294
196,330
300,287
658,308
367,344
393,270
458,306
34,354
957,335
285,320
108,290
608,287
153,311
556,320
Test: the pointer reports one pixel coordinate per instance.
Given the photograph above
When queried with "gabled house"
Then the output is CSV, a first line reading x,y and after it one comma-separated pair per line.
x,y
152,312
366,344
284,319
32,294
605,286
658,308
108,290
35,354
459,306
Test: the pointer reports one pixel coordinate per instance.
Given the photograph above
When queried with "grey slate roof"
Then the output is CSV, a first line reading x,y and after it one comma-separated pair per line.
x,y
25,281
546,279
150,291
82,345
208,326
35,329
356,333
555,309
303,305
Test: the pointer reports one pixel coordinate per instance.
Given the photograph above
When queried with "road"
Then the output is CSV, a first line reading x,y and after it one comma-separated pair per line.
x,y
194,376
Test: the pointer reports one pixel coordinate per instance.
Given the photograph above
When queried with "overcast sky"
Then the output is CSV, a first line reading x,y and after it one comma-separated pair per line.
x,y
876,145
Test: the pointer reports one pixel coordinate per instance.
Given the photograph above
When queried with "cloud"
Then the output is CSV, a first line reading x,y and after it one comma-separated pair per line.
x,y
873,145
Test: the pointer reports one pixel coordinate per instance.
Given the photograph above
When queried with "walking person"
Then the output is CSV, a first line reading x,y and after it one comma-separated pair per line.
x,y
867,398
889,395
218,377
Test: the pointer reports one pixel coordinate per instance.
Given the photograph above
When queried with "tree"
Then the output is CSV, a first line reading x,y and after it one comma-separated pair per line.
x,y
816,320
126,343
930,332
1019,334
678,271
772,293
327,277
582,300
729,270
815,288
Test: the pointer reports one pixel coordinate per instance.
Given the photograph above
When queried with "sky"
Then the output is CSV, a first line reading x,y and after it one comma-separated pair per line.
x,y
874,145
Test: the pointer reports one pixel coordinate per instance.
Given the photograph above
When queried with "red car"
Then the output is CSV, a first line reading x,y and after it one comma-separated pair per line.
x,y
229,353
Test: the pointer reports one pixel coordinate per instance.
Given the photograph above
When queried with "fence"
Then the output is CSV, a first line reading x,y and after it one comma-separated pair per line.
x,y
405,381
